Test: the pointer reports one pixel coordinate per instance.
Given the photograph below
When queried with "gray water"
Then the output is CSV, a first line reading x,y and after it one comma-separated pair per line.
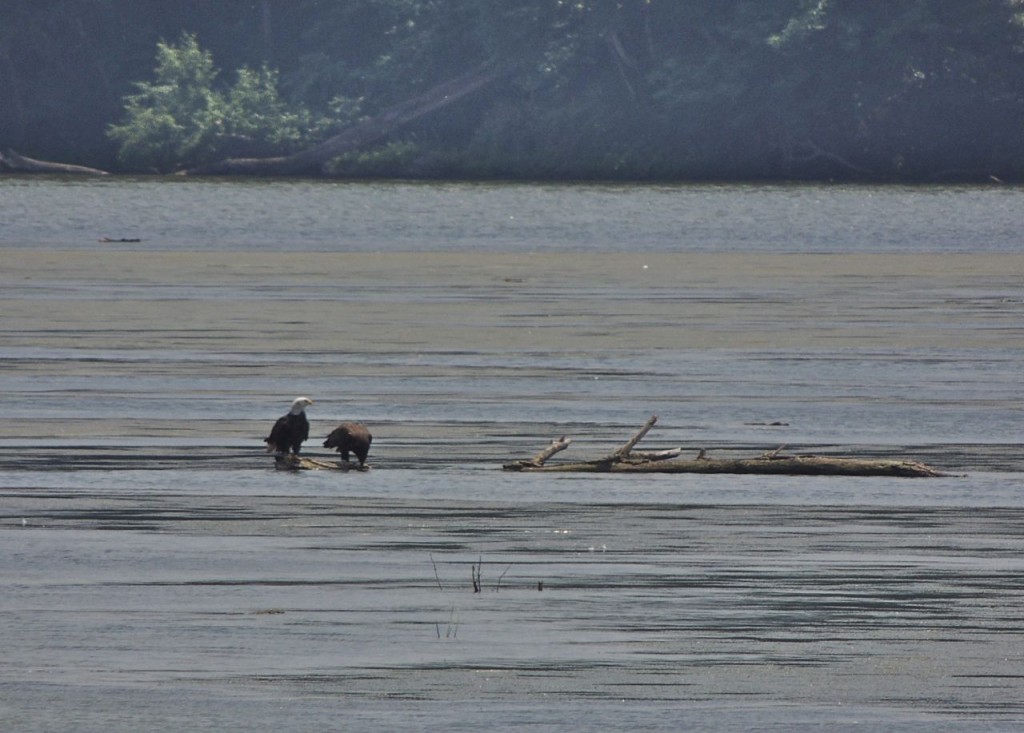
x,y
160,575
343,217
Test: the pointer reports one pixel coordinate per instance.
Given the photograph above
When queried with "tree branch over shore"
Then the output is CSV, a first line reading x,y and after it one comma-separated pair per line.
x,y
367,132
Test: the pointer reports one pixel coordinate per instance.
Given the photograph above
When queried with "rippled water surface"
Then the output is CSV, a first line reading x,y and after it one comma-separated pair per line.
x,y
340,217
160,575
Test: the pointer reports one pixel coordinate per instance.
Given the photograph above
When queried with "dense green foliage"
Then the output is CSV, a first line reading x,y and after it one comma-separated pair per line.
x,y
182,118
682,89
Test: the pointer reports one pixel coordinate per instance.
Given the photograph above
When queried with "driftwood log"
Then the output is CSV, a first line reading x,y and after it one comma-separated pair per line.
x,y
305,463
626,460
16,163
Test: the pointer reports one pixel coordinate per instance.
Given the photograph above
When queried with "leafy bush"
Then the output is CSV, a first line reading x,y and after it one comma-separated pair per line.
x,y
181,119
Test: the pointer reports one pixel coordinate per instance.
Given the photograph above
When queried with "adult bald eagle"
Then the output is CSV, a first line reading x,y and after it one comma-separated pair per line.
x,y
290,430
350,437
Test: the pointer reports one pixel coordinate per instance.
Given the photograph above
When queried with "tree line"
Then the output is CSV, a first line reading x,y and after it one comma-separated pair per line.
x,y
915,90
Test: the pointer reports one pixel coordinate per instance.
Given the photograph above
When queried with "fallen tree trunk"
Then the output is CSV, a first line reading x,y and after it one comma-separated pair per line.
x,y
789,465
16,163
624,460
368,132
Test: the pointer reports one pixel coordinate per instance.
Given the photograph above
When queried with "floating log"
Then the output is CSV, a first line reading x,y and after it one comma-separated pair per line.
x,y
305,463
789,465
624,460
17,163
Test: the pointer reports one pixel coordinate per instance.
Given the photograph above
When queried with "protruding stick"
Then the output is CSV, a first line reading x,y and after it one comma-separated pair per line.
x,y
556,446
656,455
623,452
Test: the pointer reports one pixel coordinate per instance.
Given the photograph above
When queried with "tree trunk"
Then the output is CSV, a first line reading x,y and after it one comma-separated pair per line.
x,y
15,163
365,133
785,465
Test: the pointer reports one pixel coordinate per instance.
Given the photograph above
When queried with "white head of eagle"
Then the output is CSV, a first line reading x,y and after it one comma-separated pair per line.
x,y
299,404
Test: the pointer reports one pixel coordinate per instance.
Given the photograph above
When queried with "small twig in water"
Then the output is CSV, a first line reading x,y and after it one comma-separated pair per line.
x,y
477,571
453,625
774,453
497,585
452,632
436,576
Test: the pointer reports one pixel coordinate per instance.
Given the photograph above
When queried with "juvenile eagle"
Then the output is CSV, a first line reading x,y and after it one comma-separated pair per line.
x,y
290,430
350,437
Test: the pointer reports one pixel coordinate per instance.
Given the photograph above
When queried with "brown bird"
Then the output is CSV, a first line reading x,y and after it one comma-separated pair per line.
x,y
350,437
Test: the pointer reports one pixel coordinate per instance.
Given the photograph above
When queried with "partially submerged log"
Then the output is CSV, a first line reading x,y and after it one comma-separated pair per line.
x,y
625,460
305,463
788,465
16,163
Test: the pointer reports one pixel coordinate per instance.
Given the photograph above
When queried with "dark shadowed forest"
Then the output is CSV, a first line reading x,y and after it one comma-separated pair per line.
x,y
916,90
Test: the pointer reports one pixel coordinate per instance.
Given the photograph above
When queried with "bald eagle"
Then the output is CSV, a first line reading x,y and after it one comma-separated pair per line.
x,y
350,436
290,430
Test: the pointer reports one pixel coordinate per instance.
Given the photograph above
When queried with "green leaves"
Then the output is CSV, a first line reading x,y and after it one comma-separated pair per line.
x,y
173,119
182,119
611,88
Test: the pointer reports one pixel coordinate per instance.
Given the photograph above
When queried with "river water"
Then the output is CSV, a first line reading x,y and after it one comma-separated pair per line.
x,y
160,575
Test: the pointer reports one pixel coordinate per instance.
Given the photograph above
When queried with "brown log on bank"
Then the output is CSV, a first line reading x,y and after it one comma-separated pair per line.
x,y
16,163
624,460
371,131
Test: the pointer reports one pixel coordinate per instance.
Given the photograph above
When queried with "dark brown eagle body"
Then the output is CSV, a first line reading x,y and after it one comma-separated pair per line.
x,y
290,430
350,437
